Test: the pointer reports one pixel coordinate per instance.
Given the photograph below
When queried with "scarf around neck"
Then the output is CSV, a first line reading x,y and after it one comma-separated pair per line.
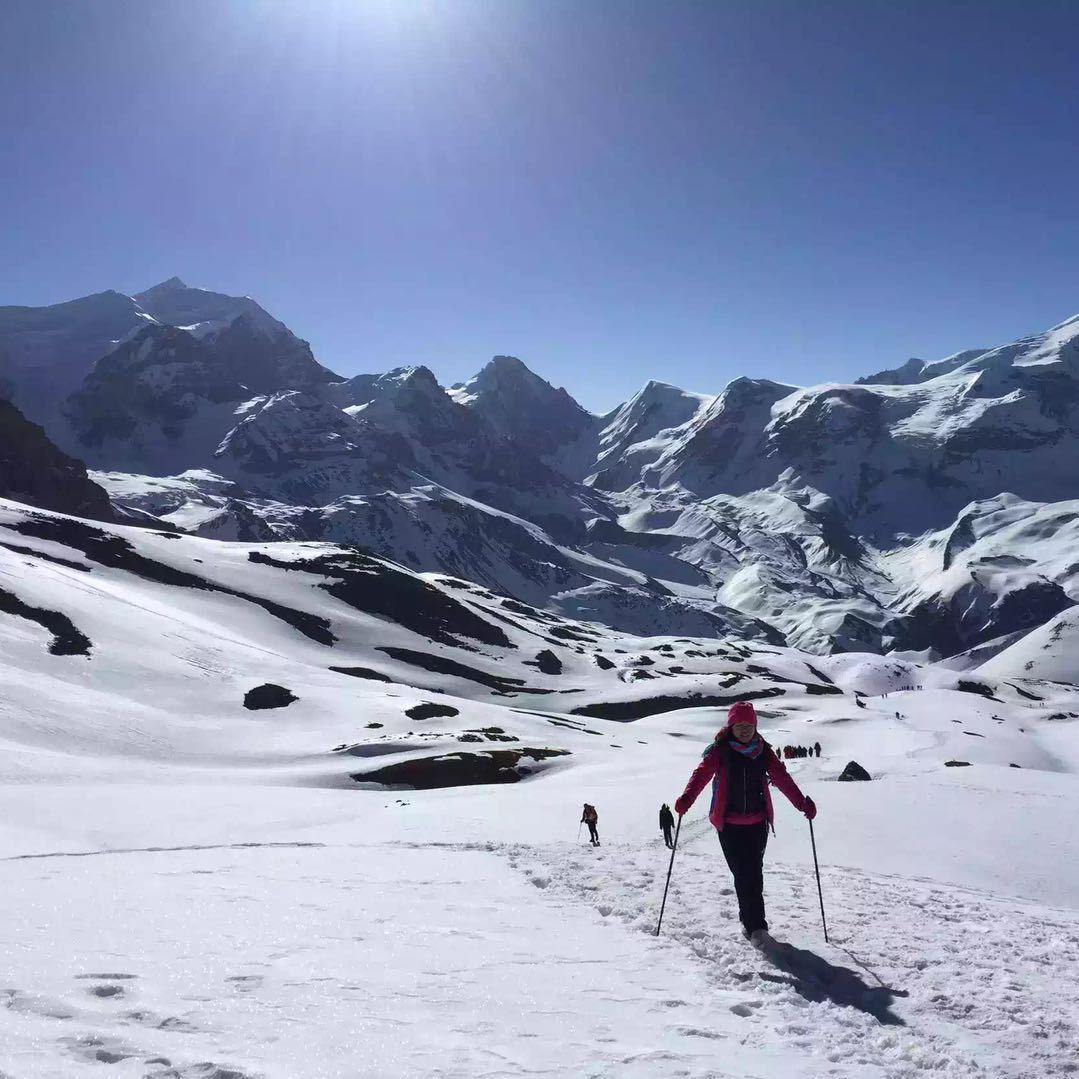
x,y
751,749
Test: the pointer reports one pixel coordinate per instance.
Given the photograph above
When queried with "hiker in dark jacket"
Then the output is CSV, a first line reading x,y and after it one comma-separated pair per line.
x,y
742,765
666,823
591,818
816,748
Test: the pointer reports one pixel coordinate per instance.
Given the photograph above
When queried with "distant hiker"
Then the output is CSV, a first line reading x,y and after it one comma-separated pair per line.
x,y
591,818
816,748
742,765
666,823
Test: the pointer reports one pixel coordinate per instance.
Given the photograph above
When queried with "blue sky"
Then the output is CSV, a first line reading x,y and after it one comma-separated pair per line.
x,y
611,190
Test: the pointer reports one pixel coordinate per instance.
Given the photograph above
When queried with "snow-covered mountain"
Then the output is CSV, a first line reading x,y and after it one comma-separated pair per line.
x,y
896,513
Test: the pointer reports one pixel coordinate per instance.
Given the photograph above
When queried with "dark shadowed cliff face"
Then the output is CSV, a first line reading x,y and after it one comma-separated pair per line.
x,y
34,471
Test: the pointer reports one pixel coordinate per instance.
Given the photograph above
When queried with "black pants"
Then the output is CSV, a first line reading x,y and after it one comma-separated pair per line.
x,y
667,835
593,831
743,847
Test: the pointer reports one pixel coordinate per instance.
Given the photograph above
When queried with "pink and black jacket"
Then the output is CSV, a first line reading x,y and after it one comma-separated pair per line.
x,y
714,766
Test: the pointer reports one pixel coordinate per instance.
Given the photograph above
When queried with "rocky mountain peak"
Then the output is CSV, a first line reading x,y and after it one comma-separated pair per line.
x,y
34,471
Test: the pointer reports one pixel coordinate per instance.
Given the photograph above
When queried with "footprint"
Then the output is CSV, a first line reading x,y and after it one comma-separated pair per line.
x,y
746,1009
27,1004
97,1050
158,1022
105,992
104,977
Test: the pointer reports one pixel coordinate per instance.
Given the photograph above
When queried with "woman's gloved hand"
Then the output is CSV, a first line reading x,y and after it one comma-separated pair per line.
x,y
810,808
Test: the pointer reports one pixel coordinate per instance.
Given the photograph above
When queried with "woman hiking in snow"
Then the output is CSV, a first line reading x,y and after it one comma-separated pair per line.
x,y
742,765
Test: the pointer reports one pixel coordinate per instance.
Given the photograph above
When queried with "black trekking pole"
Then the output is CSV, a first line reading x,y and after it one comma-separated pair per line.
x,y
663,905
816,869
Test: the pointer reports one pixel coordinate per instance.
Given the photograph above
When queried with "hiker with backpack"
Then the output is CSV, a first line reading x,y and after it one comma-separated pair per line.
x,y
742,766
591,818
666,823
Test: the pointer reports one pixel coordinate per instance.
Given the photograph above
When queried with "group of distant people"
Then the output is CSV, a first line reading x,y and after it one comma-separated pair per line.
x,y
794,752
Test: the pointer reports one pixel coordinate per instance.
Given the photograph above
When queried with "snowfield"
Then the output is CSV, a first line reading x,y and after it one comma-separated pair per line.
x,y
383,877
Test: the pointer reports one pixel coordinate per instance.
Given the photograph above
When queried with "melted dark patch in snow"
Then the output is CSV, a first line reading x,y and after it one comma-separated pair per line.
x,y
374,749
377,588
115,552
66,639
626,711
461,769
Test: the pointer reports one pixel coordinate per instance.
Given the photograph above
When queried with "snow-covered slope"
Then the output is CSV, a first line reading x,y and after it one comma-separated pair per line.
x,y
378,876
1051,652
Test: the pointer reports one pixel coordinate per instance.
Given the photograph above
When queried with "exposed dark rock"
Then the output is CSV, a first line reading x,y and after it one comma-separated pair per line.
x,y
603,663
495,734
853,771
547,662
66,639
108,550
426,710
269,695
819,675
461,769
967,686
381,589
957,764
627,711
363,672
442,665
67,563
822,691
1024,693
34,471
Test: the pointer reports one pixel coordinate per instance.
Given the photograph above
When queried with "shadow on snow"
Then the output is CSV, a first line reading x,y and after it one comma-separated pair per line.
x,y
815,979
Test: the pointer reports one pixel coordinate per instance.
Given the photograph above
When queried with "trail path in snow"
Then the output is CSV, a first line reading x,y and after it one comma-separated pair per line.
x,y
920,977
297,961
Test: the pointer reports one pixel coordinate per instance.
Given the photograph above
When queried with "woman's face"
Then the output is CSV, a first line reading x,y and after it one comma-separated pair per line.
x,y
743,731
